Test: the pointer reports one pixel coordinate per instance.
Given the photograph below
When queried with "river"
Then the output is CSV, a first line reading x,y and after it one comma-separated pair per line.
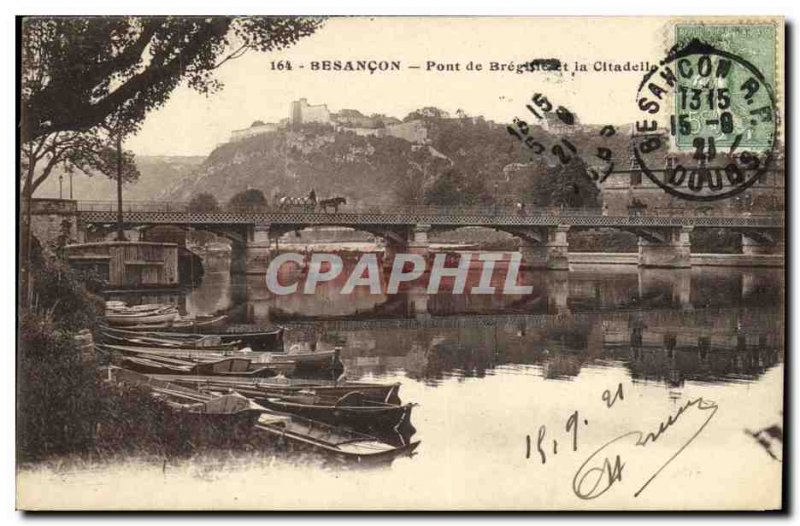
x,y
498,380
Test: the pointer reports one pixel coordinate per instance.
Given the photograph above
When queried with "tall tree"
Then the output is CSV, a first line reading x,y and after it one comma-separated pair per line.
x,y
566,185
203,202
79,72
453,188
249,199
91,152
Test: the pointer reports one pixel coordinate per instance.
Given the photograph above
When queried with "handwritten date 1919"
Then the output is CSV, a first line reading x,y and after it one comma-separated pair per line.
x,y
572,426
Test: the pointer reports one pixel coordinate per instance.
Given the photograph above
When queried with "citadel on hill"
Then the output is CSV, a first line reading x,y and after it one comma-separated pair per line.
x,y
301,112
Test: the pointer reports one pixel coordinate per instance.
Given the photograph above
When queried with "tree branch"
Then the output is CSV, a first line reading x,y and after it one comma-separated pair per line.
x,y
88,115
234,55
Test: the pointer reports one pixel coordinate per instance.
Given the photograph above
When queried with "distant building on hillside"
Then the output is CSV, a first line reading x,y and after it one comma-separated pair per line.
x,y
556,125
257,128
412,131
346,120
301,112
356,119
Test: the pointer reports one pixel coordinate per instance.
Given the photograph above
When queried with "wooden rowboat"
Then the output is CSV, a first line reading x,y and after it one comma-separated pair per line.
x,y
178,323
229,411
352,410
227,367
157,317
203,342
322,364
259,340
336,442
266,387
136,309
339,442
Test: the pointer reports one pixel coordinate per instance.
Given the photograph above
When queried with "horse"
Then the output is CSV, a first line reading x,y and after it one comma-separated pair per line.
x,y
332,202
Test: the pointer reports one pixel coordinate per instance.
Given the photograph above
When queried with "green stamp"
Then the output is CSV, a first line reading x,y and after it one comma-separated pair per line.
x,y
715,91
703,103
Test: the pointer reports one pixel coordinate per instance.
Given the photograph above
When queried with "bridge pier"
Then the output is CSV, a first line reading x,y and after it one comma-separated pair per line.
x,y
410,241
419,243
252,256
419,301
671,250
558,293
675,284
552,253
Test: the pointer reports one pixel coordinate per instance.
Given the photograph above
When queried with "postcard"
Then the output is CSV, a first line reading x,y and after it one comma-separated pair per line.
x,y
401,263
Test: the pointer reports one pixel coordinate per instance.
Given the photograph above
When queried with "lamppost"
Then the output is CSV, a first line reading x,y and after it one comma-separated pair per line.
x,y
61,186
120,226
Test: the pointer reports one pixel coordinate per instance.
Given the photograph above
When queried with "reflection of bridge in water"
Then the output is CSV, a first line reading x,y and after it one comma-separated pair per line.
x,y
524,321
663,239
704,324
716,344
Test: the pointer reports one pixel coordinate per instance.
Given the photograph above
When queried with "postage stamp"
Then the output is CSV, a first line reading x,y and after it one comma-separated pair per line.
x,y
724,113
397,263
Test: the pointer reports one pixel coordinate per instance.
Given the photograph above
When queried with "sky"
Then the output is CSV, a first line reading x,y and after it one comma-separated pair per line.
x,y
194,124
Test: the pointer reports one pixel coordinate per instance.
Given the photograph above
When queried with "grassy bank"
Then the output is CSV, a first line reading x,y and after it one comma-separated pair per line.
x,y
65,410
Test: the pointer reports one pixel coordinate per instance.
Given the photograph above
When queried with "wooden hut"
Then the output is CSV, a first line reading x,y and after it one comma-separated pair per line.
x,y
128,264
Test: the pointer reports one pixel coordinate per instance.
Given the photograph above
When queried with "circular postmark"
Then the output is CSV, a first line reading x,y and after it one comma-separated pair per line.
x,y
709,123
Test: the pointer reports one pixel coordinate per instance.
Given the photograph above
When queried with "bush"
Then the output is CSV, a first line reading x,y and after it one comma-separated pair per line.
x,y
64,409
251,199
56,393
60,291
131,421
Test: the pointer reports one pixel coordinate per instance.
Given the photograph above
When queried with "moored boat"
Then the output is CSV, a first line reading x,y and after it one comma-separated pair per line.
x,y
180,323
202,342
230,411
352,410
342,443
265,387
258,339
321,364
338,442
226,367
136,309
159,316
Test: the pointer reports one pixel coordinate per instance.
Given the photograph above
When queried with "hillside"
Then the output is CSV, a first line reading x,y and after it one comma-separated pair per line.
x,y
465,161
292,162
157,172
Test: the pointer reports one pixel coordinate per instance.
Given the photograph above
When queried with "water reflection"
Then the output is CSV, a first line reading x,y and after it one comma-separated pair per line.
x,y
702,324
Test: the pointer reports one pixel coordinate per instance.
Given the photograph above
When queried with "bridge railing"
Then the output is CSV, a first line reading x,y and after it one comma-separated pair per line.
x,y
429,210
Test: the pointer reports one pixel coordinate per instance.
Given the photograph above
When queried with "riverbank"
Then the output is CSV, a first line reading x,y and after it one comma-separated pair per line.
x,y
698,260
579,258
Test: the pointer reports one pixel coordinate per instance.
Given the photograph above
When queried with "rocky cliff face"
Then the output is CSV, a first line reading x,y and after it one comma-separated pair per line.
x,y
365,170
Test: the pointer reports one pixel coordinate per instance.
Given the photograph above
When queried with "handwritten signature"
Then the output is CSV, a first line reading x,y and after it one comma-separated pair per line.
x,y
600,471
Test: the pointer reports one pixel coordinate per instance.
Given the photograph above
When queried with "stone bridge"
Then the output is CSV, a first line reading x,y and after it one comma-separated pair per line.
x,y
663,234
